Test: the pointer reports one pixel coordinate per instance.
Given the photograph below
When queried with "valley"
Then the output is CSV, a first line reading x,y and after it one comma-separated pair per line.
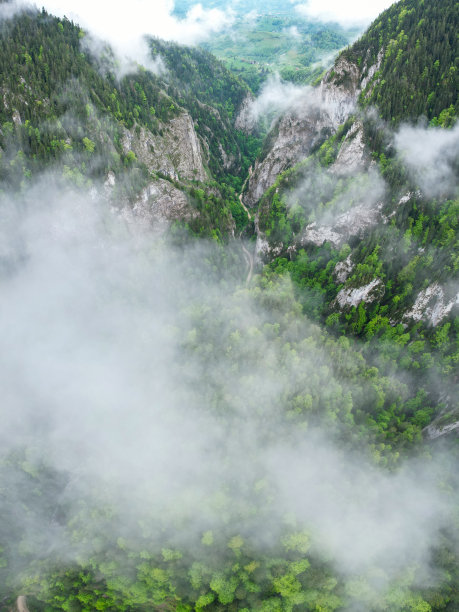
x,y
230,314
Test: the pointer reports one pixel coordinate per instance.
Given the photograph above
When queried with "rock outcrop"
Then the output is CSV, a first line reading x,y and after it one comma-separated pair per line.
x,y
245,120
175,153
352,156
307,125
352,296
350,224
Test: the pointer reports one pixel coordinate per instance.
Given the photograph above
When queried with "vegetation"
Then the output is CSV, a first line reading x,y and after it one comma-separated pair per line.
x,y
271,361
419,69
66,108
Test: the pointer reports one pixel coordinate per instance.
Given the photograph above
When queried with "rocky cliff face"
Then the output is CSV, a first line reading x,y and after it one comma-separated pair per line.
x,y
176,152
302,129
157,205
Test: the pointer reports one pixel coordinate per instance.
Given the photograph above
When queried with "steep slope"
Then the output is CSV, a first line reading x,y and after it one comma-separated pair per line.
x,y
303,129
147,136
405,64
366,220
172,440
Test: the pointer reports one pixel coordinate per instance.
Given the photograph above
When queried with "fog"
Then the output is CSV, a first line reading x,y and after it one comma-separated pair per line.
x,y
125,27
155,388
140,372
277,97
431,157
356,12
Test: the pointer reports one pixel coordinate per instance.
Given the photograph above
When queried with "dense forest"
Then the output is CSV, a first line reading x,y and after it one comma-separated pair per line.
x,y
177,432
418,72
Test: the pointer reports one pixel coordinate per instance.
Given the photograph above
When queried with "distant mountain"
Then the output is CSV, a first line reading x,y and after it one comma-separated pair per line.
x,y
357,197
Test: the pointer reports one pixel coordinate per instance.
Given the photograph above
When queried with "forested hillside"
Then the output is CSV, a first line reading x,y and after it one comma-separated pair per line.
x,y
181,431
367,225
63,104
417,76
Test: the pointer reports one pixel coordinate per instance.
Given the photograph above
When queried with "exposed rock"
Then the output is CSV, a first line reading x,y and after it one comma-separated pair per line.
x,y
356,220
403,200
352,223
16,118
110,181
436,430
262,248
318,235
409,196
349,296
370,73
339,91
431,305
245,120
306,126
352,155
228,160
343,269
176,153
158,204
296,134
264,251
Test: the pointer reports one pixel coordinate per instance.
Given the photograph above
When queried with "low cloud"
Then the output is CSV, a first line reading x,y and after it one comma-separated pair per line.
x,y
431,157
355,12
125,27
278,97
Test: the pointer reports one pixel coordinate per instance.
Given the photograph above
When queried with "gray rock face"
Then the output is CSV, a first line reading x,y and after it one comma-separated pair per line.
x,y
176,153
297,133
354,222
245,120
432,305
369,79
352,155
339,91
343,269
437,429
352,296
300,130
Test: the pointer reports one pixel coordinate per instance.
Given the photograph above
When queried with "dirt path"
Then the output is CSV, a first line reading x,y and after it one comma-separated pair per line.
x,y
249,259
248,256
21,604
244,207
242,191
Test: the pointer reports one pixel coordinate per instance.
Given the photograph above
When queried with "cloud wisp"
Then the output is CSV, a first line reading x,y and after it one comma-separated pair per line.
x,y
354,13
278,97
125,28
431,157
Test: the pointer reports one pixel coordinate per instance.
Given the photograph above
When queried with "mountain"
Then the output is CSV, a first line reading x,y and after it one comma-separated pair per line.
x,y
153,138
340,140
177,432
350,204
